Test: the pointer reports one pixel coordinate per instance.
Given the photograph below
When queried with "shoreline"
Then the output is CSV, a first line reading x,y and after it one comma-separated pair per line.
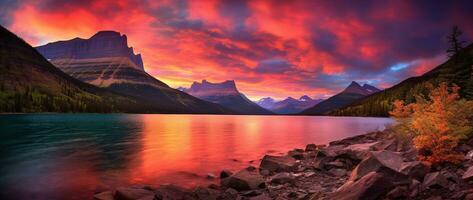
x,y
375,165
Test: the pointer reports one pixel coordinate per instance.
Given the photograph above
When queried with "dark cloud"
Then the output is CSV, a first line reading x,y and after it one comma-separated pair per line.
x,y
276,66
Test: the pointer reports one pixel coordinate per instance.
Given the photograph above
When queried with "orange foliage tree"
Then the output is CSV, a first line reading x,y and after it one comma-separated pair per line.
x,y
436,123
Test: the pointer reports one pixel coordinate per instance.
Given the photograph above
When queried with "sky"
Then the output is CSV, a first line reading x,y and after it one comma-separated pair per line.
x,y
270,48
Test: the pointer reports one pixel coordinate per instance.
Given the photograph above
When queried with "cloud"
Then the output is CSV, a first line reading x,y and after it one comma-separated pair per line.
x,y
271,48
277,66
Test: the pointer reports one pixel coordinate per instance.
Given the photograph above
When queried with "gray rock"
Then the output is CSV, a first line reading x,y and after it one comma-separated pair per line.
x,y
202,193
278,163
399,192
282,178
369,187
261,197
338,172
468,175
108,195
334,164
244,180
311,147
171,192
130,193
264,172
297,154
229,194
414,187
435,179
415,169
225,173
469,155
379,161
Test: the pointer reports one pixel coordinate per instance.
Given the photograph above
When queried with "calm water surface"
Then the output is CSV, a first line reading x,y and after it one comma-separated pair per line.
x,y
70,156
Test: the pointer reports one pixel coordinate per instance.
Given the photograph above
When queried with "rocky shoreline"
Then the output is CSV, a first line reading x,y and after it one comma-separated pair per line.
x,y
376,165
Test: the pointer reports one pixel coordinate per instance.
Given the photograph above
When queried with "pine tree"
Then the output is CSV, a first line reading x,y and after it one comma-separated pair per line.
x,y
455,42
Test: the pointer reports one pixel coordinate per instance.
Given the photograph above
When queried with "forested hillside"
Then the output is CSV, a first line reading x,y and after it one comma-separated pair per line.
x,y
458,70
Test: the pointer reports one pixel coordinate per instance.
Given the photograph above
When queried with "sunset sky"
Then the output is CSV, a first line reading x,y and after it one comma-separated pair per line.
x,y
270,48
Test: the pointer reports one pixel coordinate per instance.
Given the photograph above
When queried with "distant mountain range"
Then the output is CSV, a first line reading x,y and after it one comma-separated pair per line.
x,y
225,94
352,93
289,105
106,61
457,70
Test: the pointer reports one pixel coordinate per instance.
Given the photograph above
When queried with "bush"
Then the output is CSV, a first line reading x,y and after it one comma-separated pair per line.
x,y
436,123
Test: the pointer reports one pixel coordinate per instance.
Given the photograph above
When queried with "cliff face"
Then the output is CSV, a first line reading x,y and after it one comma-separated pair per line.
x,y
102,44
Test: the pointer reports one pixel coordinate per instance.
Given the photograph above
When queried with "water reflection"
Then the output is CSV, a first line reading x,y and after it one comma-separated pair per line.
x,y
54,156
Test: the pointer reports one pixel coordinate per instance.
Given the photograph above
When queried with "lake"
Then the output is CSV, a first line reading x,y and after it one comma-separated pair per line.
x,y
71,156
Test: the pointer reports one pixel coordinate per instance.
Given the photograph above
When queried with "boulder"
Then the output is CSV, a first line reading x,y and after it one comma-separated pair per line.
x,y
172,192
372,186
229,194
379,161
225,174
435,180
282,178
400,192
311,147
130,193
338,172
334,164
415,169
278,163
296,154
389,145
469,155
202,193
244,180
468,175
108,195
261,197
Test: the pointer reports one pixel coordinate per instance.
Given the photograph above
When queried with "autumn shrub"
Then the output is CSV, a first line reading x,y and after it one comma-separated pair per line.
x,y
436,123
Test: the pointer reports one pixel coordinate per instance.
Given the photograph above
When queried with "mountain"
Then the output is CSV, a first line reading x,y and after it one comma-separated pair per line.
x,y
225,94
102,44
29,83
352,93
288,105
266,102
457,70
106,61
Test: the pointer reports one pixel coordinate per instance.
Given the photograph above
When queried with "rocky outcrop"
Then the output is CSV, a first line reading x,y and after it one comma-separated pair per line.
x,y
371,166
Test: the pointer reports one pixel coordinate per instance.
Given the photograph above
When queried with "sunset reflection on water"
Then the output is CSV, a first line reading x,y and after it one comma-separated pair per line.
x,y
53,156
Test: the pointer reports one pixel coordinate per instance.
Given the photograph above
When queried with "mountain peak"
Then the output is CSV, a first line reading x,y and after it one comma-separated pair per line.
x,y
371,88
356,88
305,98
103,44
206,88
106,33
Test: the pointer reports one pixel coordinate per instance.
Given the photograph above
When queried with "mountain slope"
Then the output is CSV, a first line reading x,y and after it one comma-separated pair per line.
x,y
288,105
225,94
352,93
29,83
458,70
114,66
